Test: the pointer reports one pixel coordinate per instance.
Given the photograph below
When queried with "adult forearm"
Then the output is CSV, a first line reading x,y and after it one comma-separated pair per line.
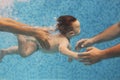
x,y
109,34
9,25
112,52
15,27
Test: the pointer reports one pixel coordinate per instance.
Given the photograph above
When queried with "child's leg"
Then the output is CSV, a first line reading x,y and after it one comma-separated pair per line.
x,y
11,50
25,47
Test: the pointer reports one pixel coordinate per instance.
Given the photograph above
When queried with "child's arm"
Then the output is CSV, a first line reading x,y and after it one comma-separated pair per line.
x,y
63,48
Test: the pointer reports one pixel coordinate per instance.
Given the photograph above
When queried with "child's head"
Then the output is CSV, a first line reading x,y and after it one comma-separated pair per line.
x,y
68,25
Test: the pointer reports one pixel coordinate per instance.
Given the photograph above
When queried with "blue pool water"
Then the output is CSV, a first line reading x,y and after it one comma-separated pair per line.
x,y
94,15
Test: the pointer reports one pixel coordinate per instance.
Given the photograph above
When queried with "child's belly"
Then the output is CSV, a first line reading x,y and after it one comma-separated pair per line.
x,y
51,50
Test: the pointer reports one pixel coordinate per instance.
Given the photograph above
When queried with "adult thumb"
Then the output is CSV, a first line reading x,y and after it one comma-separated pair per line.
x,y
85,44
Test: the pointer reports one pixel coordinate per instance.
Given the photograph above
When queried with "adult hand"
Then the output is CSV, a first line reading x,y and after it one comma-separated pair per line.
x,y
42,36
91,56
15,27
83,43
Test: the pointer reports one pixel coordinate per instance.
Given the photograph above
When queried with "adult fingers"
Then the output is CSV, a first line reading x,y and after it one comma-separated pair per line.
x,y
44,44
84,60
84,57
79,43
85,44
89,48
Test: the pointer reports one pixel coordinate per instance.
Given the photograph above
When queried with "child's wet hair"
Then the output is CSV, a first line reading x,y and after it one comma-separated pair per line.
x,y
64,23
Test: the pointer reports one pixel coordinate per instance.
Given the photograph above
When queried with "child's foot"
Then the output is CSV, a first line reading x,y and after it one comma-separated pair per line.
x,y
2,54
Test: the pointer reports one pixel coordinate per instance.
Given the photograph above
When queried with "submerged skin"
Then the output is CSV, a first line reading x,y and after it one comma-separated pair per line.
x,y
26,47
94,55
9,25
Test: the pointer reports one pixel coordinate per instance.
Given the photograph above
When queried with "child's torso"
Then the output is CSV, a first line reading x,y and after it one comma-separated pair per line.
x,y
54,42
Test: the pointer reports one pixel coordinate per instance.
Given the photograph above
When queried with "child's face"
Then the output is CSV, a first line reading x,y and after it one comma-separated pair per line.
x,y
76,27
